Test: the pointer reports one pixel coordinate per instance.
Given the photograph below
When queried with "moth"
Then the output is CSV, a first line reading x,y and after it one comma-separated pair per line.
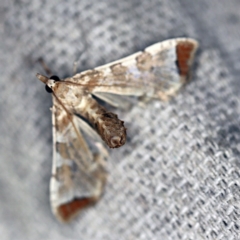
x,y
79,155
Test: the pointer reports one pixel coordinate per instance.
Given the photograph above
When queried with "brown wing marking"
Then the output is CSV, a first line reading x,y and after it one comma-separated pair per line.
x,y
157,72
69,210
184,57
78,171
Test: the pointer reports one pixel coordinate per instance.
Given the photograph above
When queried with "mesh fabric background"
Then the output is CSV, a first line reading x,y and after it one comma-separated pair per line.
x,y
177,177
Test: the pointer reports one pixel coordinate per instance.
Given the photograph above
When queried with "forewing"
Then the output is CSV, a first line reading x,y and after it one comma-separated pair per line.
x,y
157,72
78,171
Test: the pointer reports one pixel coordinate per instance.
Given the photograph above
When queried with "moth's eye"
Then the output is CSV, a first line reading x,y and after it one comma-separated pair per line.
x,y
48,89
56,78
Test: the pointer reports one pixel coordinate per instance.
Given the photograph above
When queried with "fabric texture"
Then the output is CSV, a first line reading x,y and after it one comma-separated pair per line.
x,y
177,177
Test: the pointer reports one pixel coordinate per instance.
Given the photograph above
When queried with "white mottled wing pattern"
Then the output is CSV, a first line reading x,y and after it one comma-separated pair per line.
x,y
157,72
78,171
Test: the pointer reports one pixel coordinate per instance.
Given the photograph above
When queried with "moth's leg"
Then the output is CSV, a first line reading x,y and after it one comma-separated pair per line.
x,y
45,67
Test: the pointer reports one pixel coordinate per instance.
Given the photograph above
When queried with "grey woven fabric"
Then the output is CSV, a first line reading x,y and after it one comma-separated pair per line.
x,y
177,177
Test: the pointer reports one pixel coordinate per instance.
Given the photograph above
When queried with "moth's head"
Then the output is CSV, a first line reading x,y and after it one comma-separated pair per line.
x,y
50,82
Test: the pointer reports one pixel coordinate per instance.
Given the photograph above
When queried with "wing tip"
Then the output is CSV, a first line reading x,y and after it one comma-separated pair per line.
x,y
67,211
185,51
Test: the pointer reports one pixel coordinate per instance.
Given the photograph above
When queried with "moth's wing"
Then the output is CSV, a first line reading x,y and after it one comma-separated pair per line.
x,y
115,100
78,171
88,130
157,72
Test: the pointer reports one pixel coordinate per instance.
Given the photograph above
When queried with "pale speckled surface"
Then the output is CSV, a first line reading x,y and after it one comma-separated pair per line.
x,y
178,175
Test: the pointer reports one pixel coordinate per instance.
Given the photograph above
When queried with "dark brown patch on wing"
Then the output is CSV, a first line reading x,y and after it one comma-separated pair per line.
x,y
118,69
62,149
144,61
64,175
62,118
184,53
119,73
91,77
69,210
